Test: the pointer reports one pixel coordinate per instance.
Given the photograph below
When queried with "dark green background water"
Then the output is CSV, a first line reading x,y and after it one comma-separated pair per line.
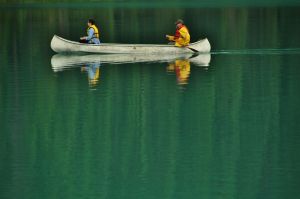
x,y
231,132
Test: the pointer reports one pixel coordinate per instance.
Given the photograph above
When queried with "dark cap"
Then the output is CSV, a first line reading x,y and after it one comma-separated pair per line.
x,y
92,21
179,21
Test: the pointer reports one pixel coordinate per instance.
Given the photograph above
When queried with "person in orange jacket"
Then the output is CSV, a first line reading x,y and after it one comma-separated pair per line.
x,y
182,35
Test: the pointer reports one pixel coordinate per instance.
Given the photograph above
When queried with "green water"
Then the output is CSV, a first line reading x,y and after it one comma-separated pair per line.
x,y
142,130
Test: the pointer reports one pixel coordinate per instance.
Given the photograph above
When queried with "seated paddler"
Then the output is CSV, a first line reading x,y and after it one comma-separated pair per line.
x,y
182,35
92,34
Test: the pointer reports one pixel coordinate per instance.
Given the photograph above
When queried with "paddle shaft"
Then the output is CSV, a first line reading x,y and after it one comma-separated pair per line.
x,y
192,49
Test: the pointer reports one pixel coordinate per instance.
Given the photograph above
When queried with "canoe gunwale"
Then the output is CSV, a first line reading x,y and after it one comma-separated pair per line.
x,y
124,45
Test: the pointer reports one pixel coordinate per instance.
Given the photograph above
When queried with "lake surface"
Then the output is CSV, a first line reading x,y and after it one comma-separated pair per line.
x,y
161,129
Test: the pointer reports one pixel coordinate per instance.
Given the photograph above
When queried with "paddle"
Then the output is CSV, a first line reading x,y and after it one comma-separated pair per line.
x,y
192,49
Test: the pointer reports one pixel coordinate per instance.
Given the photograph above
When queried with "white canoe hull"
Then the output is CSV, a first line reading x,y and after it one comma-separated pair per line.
x,y
61,45
61,62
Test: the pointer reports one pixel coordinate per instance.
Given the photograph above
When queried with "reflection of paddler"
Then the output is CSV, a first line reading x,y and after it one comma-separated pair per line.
x,y
93,71
182,69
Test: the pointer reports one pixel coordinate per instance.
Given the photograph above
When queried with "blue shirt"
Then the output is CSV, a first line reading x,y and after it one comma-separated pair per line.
x,y
92,70
90,38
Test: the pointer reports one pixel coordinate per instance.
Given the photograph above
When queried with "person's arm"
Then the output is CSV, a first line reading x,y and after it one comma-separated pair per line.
x,y
90,34
170,38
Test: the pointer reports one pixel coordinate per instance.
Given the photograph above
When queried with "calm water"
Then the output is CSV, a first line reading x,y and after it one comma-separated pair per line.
x,y
161,129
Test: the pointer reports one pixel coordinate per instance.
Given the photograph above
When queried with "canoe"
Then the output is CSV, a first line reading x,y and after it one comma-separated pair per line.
x,y
61,45
60,62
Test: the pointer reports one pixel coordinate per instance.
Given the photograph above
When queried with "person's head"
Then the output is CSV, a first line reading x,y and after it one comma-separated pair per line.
x,y
179,23
91,22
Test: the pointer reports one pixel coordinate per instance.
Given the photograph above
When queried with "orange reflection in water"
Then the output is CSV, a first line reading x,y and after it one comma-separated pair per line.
x,y
182,68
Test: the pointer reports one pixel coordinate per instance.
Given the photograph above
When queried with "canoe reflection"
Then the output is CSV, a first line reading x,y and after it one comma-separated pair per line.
x,y
91,63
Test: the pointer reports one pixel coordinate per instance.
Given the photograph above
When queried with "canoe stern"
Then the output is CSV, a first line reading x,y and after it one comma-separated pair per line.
x,y
202,46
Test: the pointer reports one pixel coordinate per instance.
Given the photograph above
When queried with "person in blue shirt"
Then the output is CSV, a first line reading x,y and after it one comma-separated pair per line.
x,y
92,34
